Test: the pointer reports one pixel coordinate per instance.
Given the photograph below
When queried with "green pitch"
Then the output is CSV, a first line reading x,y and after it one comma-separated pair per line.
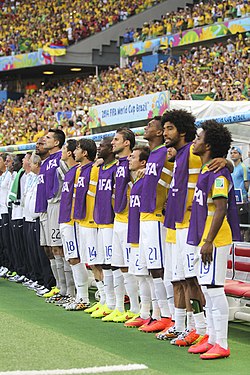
x,y
37,336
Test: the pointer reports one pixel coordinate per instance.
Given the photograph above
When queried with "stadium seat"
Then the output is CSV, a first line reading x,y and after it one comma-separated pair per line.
x,y
238,288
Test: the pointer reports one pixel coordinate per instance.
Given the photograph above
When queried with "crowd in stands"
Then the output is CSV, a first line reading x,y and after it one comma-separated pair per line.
x,y
29,25
198,15
220,70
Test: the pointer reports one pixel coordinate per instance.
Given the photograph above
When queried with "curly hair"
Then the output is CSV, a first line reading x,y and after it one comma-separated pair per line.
x,y
183,120
218,137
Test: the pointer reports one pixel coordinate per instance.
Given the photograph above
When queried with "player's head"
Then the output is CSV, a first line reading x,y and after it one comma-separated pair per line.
x,y
85,149
54,139
154,129
26,161
123,139
17,162
105,148
214,139
68,149
179,127
35,162
9,162
3,157
236,154
40,147
138,158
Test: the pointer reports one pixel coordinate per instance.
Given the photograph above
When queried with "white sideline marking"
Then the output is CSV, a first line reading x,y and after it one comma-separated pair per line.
x,y
86,370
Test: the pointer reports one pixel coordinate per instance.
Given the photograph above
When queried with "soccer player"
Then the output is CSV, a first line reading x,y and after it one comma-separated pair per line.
x,y
179,132
41,208
156,182
137,162
67,225
7,254
213,223
104,218
54,141
123,143
37,251
16,197
82,209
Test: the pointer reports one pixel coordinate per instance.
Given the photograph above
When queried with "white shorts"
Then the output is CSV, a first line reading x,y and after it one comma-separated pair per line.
x,y
215,272
104,244
44,230
69,241
120,247
183,257
87,242
134,264
151,244
170,249
53,225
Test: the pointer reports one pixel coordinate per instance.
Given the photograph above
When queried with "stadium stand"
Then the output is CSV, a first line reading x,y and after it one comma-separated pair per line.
x,y
220,72
200,14
64,23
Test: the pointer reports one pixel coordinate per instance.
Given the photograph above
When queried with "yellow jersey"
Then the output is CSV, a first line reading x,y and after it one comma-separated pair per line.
x,y
220,188
194,167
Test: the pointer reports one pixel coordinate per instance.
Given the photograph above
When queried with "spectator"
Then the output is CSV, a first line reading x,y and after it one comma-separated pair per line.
x,y
240,173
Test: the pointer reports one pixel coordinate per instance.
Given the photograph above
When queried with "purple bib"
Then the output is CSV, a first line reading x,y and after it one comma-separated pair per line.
x,y
82,187
122,178
103,211
134,212
177,194
200,209
154,168
41,201
67,195
51,182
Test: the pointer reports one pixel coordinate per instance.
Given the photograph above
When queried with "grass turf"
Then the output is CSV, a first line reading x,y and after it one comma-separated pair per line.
x,y
36,336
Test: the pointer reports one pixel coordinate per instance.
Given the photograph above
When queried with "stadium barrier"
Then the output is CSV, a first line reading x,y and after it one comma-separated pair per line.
x,y
225,119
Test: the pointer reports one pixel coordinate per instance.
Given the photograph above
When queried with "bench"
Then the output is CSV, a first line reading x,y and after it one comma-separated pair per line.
x,y
237,286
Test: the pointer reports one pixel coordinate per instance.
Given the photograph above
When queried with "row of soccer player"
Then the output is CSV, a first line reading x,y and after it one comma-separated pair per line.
x,y
115,218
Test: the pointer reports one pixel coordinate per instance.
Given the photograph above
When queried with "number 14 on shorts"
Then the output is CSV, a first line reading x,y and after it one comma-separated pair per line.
x,y
92,252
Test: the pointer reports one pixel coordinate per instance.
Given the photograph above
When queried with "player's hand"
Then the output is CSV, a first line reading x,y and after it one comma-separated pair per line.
x,y
171,153
140,173
217,164
206,253
98,162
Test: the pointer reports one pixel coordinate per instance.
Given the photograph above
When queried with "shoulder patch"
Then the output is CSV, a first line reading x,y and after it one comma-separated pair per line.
x,y
219,183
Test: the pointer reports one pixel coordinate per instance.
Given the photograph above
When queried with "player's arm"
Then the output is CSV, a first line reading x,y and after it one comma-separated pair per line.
x,y
218,163
245,177
220,204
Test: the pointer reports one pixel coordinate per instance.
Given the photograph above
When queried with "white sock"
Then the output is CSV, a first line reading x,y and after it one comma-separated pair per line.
x,y
200,323
220,313
180,317
109,288
80,275
119,290
209,319
54,271
100,287
190,320
145,296
156,313
70,284
131,287
61,274
161,295
170,297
